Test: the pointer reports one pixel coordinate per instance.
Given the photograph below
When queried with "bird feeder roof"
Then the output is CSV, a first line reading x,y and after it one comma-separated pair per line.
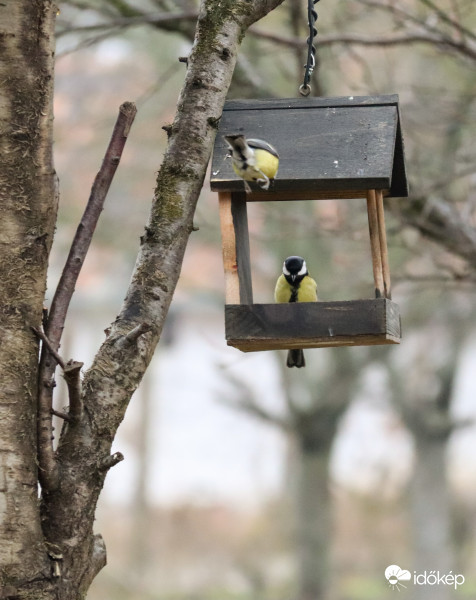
x,y
330,145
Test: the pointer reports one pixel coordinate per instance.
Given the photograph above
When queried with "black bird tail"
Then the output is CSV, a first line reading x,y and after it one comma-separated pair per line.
x,y
296,359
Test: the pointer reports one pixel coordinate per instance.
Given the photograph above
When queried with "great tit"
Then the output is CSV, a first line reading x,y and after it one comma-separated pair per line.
x,y
295,285
253,160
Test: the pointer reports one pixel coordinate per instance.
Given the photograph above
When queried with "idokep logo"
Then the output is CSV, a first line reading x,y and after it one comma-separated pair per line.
x,y
395,576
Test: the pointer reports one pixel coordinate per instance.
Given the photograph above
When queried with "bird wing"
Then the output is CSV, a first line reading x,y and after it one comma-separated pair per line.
x,y
262,145
307,291
282,293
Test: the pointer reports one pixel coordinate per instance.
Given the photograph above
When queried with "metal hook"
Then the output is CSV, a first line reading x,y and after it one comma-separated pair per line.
x,y
305,89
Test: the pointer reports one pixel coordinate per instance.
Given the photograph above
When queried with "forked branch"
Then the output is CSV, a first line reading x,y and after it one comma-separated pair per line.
x,y
71,371
61,300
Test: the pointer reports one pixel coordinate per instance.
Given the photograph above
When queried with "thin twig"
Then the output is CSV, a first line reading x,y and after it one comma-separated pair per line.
x,y
448,280
251,407
59,307
61,415
135,333
400,14
246,401
87,226
49,345
448,20
122,22
110,461
427,25
362,40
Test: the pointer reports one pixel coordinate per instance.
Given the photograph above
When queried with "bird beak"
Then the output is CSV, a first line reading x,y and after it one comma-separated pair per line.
x,y
293,278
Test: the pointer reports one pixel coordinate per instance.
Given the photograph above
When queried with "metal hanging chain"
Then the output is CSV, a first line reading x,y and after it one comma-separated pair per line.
x,y
305,88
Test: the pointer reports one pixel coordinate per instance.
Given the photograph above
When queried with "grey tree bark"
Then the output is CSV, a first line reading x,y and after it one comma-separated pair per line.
x,y
28,202
314,524
426,412
431,511
431,506
48,548
314,429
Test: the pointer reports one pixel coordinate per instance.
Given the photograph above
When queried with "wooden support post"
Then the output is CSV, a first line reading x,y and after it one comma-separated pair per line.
x,y
236,249
375,244
383,244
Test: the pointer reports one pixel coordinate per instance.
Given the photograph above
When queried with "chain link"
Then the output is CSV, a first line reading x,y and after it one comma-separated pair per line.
x,y
305,88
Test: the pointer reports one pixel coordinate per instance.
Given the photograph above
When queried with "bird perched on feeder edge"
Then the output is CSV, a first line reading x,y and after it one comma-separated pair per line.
x,y
253,160
295,285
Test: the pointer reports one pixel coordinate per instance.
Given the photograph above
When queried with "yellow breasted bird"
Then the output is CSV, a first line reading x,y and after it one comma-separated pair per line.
x,y
295,285
253,160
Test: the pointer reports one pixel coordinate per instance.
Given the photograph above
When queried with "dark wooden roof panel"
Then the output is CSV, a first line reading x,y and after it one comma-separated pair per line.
x,y
323,143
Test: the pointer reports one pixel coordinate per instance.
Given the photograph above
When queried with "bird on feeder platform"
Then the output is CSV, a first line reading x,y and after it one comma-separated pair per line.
x,y
295,285
253,160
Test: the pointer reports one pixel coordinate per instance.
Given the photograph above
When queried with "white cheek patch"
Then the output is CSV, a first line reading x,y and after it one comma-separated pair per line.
x,y
285,271
250,156
303,269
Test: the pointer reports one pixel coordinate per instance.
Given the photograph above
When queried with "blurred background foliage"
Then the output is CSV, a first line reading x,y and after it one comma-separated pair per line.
x,y
244,480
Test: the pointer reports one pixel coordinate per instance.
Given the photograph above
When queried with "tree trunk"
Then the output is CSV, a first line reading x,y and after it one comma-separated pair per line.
x,y
314,524
427,414
431,516
28,203
314,428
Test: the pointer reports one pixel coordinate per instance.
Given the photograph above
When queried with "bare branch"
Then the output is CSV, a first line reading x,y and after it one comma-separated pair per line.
x,y
183,23
64,291
246,402
248,405
87,43
448,20
162,20
379,41
405,16
440,222
400,14
87,226
435,280
444,183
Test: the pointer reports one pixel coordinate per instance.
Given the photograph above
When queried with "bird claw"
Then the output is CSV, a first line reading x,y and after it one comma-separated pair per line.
x,y
264,181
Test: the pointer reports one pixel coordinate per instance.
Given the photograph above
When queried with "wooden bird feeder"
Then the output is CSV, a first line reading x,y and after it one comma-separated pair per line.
x,y
329,148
